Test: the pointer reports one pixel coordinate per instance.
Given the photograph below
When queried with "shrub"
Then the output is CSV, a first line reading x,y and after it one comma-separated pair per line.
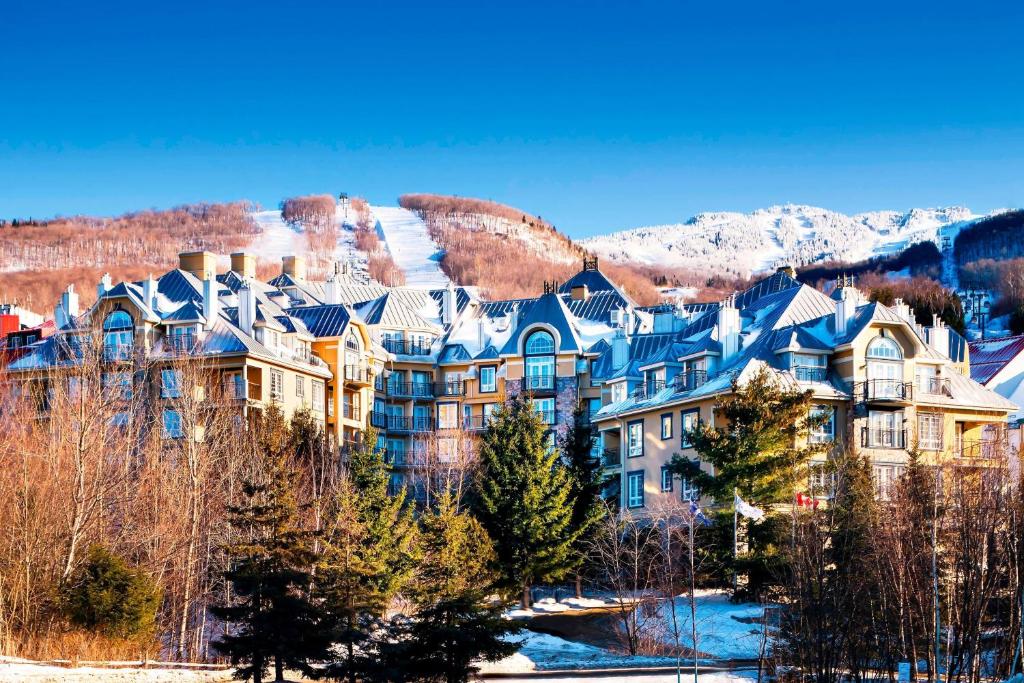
x,y
107,595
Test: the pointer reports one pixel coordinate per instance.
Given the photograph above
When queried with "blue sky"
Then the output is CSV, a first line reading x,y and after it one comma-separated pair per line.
x,y
596,115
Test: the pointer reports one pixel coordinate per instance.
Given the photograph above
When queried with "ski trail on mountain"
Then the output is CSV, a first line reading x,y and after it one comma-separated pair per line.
x,y
410,245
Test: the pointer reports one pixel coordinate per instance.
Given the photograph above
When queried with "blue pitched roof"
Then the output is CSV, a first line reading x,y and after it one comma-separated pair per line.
x,y
323,321
190,312
489,353
454,353
550,311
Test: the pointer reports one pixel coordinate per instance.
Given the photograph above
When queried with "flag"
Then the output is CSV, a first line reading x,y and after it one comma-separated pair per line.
x,y
805,501
746,509
698,515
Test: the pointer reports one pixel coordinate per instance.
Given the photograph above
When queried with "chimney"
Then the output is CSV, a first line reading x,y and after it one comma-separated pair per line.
x,y
481,337
202,264
938,336
513,317
104,286
332,290
448,300
244,264
246,309
580,293
295,266
149,291
211,302
620,349
903,311
788,270
67,309
846,306
729,328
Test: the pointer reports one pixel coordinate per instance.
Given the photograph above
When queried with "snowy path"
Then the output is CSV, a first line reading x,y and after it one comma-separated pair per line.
x,y
411,247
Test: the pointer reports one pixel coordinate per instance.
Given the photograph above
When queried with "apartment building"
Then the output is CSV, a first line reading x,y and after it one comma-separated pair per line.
x,y
887,384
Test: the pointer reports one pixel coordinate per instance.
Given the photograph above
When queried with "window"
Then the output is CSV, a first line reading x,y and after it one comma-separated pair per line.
x,y
635,438
884,430
822,481
118,385
276,385
929,431
118,336
927,379
687,491
826,432
170,384
447,415
488,381
545,407
300,387
540,361
172,425
666,426
540,342
885,477
593,406
318,396
688,421
635,489
885,348
666,479
421,383
618,392
809,367
489,409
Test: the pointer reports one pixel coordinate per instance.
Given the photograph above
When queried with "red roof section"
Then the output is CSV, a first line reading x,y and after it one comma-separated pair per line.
x,y
989,356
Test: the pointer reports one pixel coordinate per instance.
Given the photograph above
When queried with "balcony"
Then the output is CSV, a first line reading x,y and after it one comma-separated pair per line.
x,y
476,423
240,391
884,391
690,380
539,383
933,386
378,420
118,352
402,423
351,412
980,449
407,347
611,458
648,390
872,437
395,457
806,373
410,389
357,374
453,388
308,357
181,344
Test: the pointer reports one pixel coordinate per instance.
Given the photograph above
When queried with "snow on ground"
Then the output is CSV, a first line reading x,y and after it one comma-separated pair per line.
x,y
543,652
12,669
550,606
410,245
720,631
716,677
277,238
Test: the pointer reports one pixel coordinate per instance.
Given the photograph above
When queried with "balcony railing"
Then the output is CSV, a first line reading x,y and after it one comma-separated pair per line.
x,y
648,390
476,423
407,347
807,373
611,457
872,437
884,390
452,388
394,456
981,449
357,373
690,380
935,386
118,352
240,391
351,412
538,382
402,423
183,343
410,389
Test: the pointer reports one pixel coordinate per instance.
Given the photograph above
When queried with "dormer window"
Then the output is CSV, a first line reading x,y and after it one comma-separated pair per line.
x,y
118,336
540,360
808,367
884,367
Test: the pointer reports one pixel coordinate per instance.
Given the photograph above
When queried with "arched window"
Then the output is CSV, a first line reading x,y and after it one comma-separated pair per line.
x,y
884,348
352,355
885,368
540,361
118,336
540,342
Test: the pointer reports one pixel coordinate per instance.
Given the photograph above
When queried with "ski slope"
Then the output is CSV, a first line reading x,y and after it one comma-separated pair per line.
x,y
279,238
410,246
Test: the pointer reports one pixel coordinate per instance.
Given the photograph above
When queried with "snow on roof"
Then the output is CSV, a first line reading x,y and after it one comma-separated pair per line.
x,y
990,356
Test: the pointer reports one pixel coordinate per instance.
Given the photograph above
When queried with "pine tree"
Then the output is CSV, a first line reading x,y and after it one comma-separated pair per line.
x,y
522,499
453,625
370,553
269,562
584,487
754,450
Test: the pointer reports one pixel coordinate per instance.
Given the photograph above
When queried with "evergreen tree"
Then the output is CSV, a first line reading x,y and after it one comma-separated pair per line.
x,y
522,499
755,450
269,562
108,596
453,625
584,487
370,553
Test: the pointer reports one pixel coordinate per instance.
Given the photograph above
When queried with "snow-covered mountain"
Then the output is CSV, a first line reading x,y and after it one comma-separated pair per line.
x,y
794,234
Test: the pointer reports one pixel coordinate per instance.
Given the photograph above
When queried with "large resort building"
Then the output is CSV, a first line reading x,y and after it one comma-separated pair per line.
x,y
426,368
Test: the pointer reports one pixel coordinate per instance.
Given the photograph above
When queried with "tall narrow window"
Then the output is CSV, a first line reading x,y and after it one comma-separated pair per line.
x,y
118,336
823,432
488,381
540,361
635,436
885,368
635,489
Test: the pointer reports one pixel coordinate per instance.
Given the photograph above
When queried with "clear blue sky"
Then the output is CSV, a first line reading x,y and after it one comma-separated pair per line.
x,y
598,116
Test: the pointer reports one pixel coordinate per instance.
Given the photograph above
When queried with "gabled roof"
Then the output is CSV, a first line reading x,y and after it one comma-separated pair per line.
x,y
550,311
454,353
188,313
488,353
990,356
323,321
390,311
